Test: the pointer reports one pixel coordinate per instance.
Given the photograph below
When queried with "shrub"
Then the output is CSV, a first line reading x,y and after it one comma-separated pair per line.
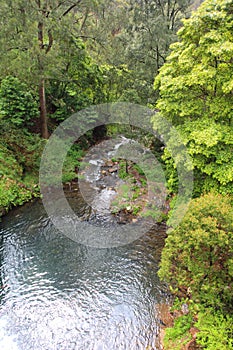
x,y
71,162
178,335
215,331
198,256
19,165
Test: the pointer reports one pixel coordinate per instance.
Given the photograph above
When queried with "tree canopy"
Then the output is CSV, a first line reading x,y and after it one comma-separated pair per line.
x,y
39,40
84,52
196,93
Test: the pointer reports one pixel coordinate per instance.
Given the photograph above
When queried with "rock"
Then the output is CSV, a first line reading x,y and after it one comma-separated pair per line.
x,y
122,220
161,338
109,163
113,169
165,315
185,309
123,217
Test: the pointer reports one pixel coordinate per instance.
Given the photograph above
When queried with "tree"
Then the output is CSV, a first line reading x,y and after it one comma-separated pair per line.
x,y
32,37
82,84
135,35
151,28
196,93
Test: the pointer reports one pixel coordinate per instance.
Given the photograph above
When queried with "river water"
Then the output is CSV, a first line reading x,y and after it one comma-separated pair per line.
x,y
56,294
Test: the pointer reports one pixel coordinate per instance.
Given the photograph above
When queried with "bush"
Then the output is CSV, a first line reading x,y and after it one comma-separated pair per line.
x,y
198,256
178,335
71,162
215,331
14,193
19,165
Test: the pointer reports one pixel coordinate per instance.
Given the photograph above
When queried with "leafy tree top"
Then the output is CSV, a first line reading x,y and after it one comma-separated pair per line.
x,y
197,79
196,93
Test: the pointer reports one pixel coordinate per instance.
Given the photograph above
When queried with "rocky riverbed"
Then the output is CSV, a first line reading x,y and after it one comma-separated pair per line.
x,y
118,187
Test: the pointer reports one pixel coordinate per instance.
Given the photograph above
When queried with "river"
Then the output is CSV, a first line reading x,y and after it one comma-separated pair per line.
x,y
57,294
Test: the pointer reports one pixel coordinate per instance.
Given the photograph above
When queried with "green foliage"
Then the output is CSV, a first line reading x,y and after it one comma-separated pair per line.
x,y
41,45
25,147
197,258
152,211
195,87
136,192
122,172
151,28
129,194
132,40
125,189
71,162
19,164
14,193
81,87
8,164
17,104
138,169
178,335
215,330
136,209
117,84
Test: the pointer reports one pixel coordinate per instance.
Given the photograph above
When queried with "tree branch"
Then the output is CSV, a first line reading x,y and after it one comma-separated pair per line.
x,y
71,8
84,21
40,35
50,41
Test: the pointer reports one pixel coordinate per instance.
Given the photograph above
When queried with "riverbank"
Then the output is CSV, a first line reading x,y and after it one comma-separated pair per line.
x,y
14,194
20,154
184,335
19,166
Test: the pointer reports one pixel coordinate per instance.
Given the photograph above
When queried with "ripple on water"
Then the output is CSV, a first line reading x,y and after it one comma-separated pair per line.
x,y
59,295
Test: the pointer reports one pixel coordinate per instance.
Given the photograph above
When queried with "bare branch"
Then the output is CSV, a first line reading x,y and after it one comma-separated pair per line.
x,y
84,21
71,8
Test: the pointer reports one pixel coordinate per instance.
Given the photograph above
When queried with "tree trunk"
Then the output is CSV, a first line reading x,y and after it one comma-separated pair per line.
x,y
43,112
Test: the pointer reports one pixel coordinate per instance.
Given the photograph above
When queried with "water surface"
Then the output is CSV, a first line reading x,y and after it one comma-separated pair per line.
x,y
57,294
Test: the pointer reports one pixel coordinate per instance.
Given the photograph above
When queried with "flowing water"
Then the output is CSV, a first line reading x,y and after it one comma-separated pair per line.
x,y
56,294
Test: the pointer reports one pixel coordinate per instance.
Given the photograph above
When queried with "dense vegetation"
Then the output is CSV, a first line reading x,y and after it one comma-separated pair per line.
x,y
196,94
58,57
195,87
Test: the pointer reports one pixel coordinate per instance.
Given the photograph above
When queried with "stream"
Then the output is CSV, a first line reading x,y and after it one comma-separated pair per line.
x,y
57,294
